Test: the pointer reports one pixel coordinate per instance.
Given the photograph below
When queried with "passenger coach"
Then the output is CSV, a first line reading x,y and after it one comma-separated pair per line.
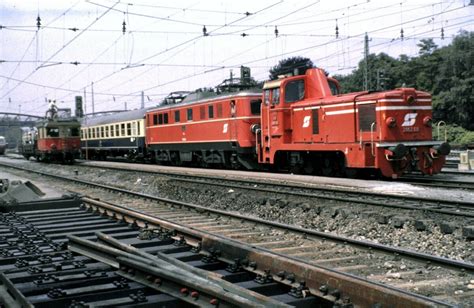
x,y
117,135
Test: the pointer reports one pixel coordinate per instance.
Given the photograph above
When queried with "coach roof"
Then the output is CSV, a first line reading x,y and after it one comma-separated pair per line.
x,y
125,116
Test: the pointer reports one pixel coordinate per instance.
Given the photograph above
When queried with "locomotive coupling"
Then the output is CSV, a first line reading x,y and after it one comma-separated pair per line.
x,y
442,149
397,152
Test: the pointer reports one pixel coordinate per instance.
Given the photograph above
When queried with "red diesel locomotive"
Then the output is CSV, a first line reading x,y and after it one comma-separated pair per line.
x,y
300,124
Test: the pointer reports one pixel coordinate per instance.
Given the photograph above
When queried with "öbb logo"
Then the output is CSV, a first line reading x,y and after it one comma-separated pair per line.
x,y
410,119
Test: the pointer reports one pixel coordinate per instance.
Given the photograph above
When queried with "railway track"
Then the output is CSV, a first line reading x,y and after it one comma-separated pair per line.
x,y
398,267
50,257
439,182
436,205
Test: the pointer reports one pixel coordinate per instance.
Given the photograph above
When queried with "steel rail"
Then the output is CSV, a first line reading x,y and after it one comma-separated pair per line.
x,y
303,231
314,275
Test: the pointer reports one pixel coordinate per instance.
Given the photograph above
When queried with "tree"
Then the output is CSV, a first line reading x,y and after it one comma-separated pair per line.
x,y
288,65
427,46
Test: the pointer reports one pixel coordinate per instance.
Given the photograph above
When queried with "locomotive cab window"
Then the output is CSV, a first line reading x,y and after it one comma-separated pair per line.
x,y
266,97
366,116
177,116
160,118
276,96
334,88
74,132
165,118
190,114
155,119
294,91
255,106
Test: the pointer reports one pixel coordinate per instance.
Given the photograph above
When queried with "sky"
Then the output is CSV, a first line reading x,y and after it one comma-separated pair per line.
x,y
83,47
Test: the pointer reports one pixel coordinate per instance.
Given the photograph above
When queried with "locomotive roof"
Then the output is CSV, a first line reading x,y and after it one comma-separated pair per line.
x,y
130,115
193,100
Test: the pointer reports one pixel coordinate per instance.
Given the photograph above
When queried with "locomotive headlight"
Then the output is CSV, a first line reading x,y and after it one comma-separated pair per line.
x,y
391,122
410,99
428,121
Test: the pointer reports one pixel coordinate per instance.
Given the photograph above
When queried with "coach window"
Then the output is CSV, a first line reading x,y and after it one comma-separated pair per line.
x,y
102,133
294,91
107,131
160,118
210,110
155,119
117,130
129,129
122,129
165,118
219,110
276,96
266,97
138,128
177,116
112,131
190,114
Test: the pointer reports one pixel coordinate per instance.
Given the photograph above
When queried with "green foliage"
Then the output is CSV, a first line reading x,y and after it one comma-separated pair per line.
x,y
455,134
447,73
288,65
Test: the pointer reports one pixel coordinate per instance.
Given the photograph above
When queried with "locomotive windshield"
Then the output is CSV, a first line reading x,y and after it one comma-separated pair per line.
x,y
52,132
294,91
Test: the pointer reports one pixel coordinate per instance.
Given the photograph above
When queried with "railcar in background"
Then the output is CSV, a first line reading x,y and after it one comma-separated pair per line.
x,y
53,139
3,145
114,135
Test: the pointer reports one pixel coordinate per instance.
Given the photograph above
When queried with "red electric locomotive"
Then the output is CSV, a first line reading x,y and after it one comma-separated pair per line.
x,y
56,138
206,129
306,125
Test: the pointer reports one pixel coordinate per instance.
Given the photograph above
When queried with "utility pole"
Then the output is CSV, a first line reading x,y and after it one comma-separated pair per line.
x,y
143,100
92,97
86,131
366,59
